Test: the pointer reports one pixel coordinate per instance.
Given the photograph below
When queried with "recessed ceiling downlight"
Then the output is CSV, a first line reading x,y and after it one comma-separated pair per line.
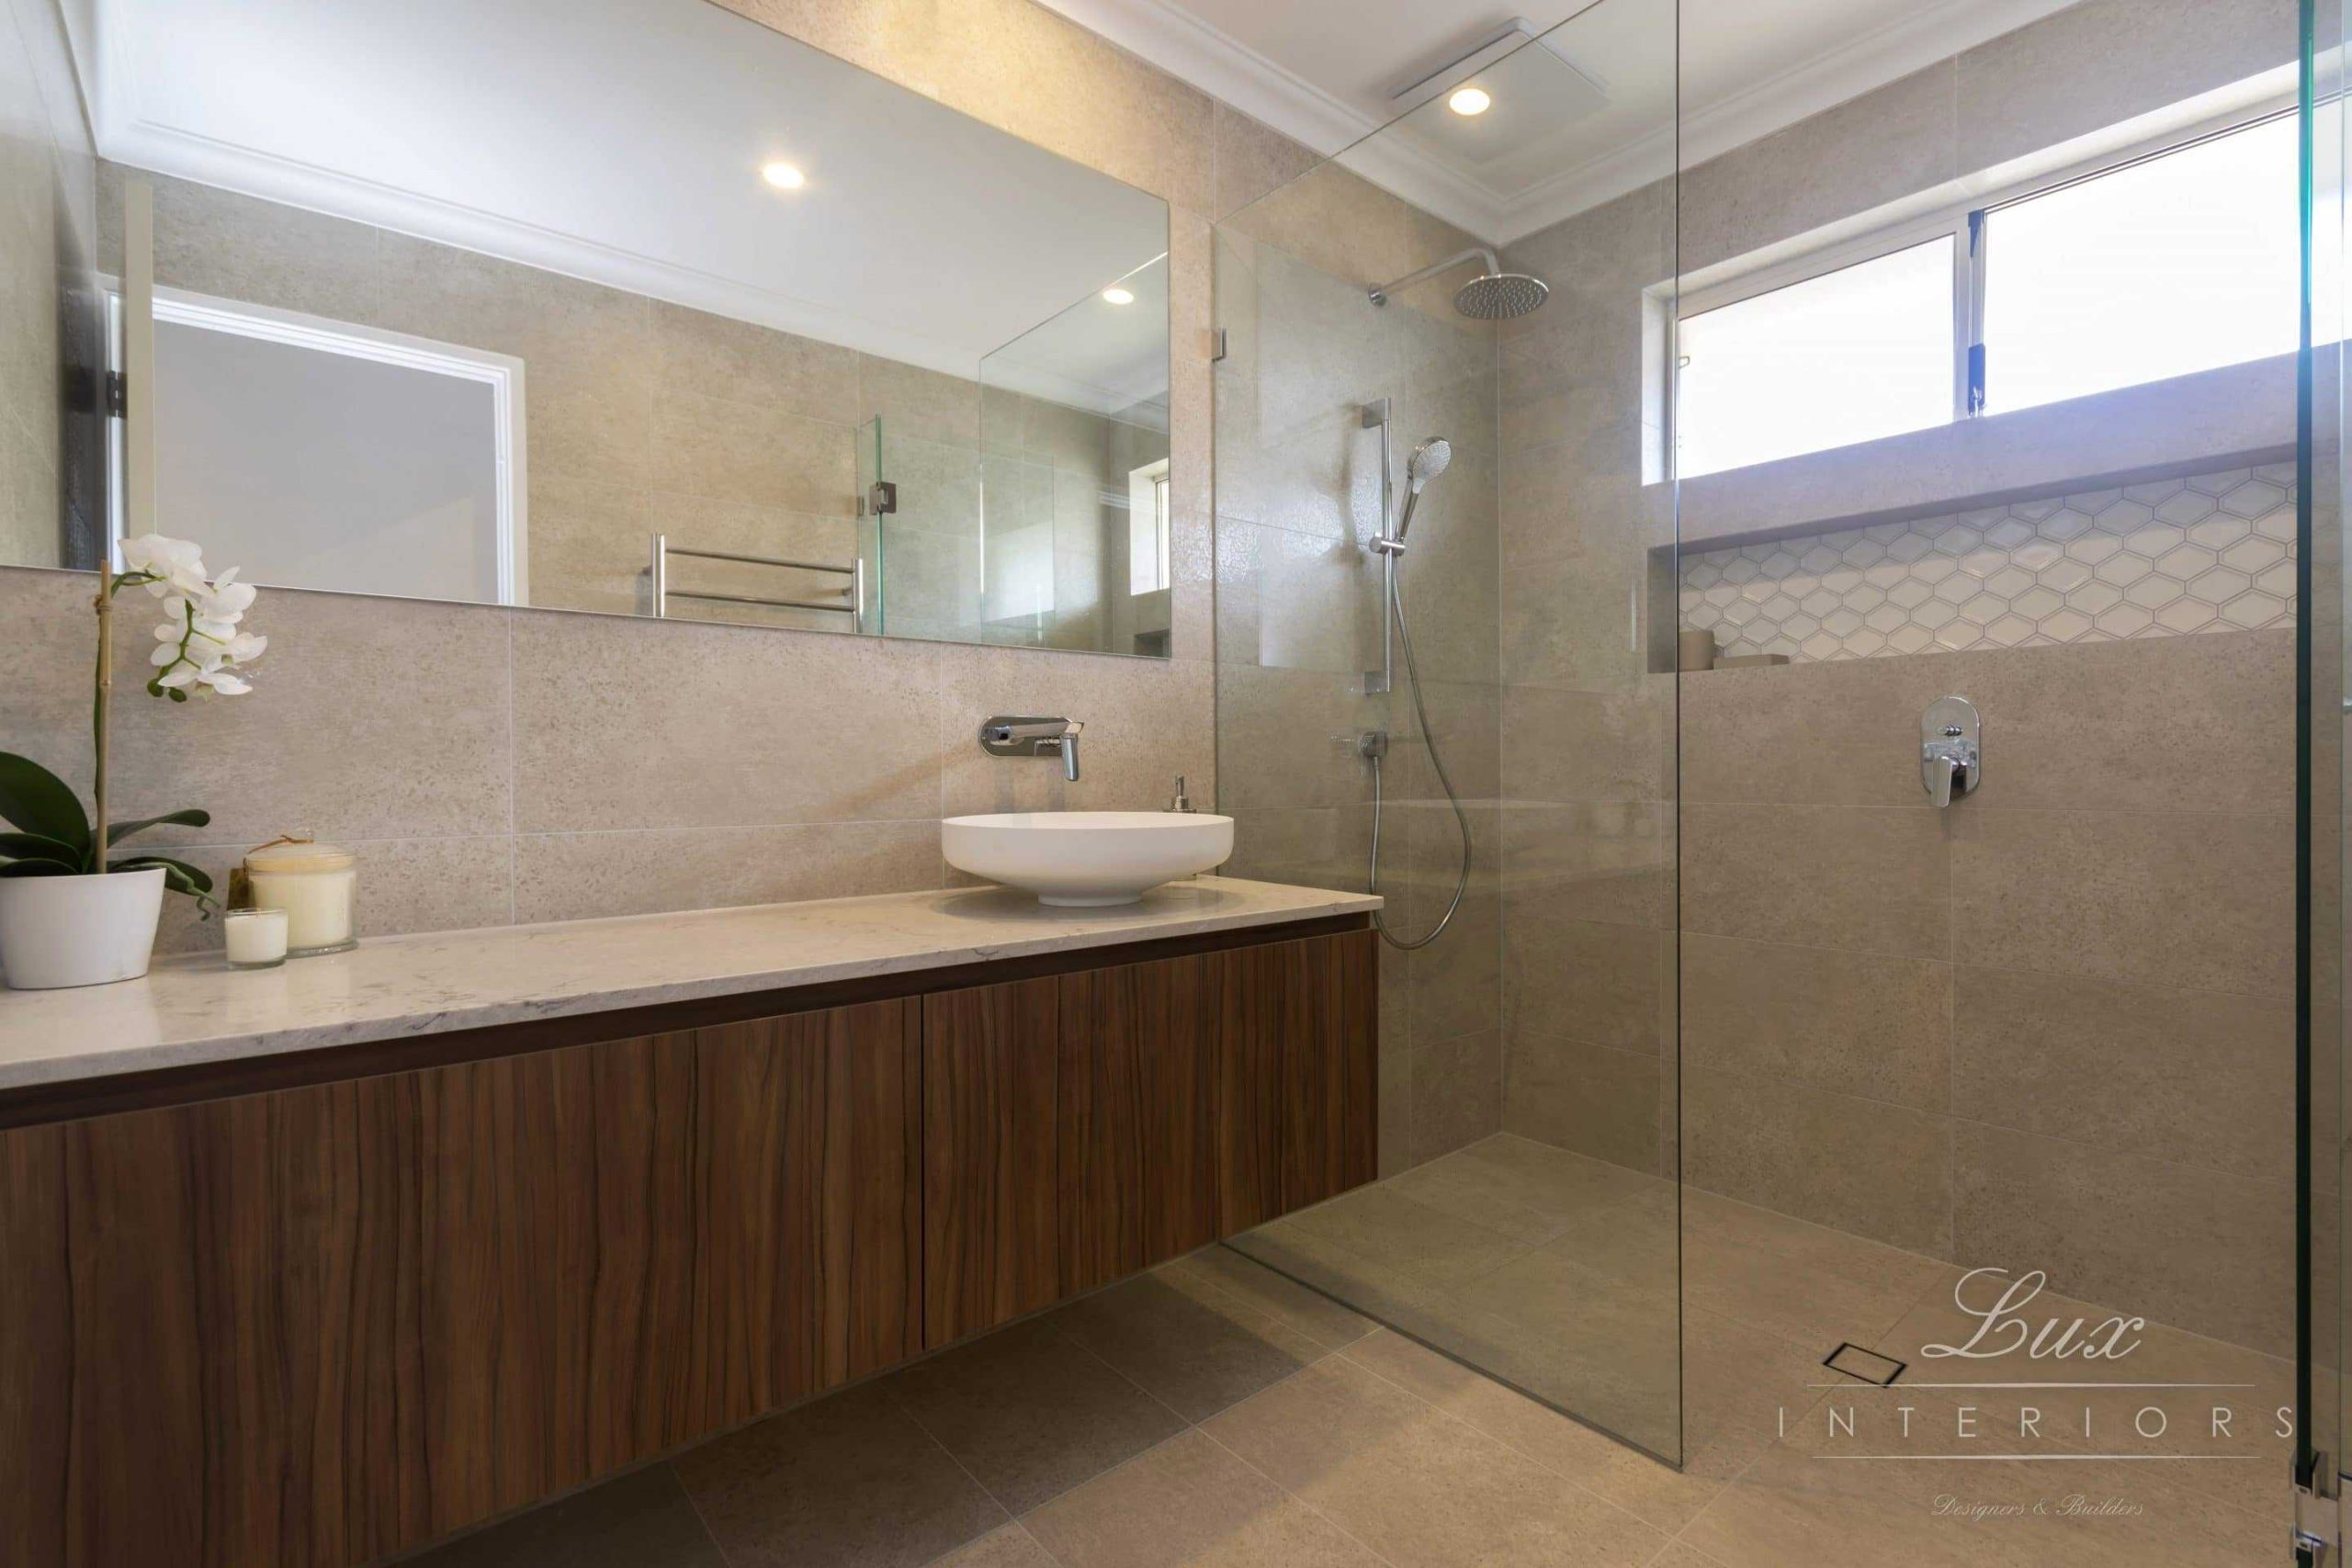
x,y
1114,295
1470,101
783,176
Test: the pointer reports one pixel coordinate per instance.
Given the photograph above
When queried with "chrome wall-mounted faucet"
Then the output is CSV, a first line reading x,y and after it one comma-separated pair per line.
x,y
1951,756
1006,736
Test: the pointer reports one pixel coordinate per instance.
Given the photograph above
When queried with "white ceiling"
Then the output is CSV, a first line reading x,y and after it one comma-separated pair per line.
x,y
1323,72
622,140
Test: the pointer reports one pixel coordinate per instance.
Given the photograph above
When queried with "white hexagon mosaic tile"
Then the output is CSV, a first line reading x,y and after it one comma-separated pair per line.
x,y
2209,553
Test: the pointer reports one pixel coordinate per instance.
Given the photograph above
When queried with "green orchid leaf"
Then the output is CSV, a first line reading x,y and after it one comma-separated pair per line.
x,y
174,871
194,817
179,878
37,868
37,801
36,846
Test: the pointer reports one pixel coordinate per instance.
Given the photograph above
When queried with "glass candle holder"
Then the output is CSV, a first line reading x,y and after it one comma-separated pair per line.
x,y
317,887
256,937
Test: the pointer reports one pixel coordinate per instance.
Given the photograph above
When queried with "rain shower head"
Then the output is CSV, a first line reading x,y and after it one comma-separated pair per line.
x,y
1499,296
1493,295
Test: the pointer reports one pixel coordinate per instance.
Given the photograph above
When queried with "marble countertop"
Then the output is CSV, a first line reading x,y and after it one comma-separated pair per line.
x,y
194,1008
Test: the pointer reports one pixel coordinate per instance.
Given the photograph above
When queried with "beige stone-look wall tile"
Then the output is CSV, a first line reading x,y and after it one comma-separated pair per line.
x,y
570,876
332,739
734,451
1252,160
2190,1076
1453,985
1147,720
1889,142
1840,732
2092,64
1868,879
1848,1022
1583,746
695,352
2203,724
1865,1166
618,724
1457,1093
405,885
2160,724
1589,1098
2182,1245
241,247
2204,902
1612,861
1581,980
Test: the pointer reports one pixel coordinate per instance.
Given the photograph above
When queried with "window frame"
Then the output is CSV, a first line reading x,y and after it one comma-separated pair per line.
x,y
1964,221
503,374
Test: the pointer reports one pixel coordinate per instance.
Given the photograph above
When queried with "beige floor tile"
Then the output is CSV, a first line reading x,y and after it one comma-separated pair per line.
x,y
1653,1491
1828,1498
641,1520
2247,1387
1604,1346
1311,1312
1008,1547
1503,1194
1423,1488
1190,1503
847,1481
1395,1232
1185,1341
1030,1411
1808,1283
1555,1181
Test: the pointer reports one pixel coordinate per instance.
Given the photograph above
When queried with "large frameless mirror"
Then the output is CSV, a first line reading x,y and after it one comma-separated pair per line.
x,y
636,306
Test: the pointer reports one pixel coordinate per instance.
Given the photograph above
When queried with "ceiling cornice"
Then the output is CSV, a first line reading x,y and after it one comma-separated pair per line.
x,y
1224,68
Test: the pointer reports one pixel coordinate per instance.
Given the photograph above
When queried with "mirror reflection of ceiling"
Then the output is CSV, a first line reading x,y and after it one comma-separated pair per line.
x,y
623,141
1587,114
1039,360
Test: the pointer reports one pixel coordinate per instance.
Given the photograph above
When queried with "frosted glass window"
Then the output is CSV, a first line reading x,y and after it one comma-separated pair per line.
x,y
1850,355
2183,262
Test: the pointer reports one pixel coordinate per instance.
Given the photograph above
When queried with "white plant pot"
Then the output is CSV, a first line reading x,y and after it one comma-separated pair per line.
x,y
78,930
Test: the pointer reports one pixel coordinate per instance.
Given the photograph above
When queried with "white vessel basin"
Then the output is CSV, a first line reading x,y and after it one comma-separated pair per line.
x,y
1086,858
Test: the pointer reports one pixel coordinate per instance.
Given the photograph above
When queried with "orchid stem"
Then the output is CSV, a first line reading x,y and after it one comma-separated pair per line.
x,y
104,692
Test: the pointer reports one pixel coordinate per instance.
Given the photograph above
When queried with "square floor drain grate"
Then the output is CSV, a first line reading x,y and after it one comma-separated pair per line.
x,y
1868,1365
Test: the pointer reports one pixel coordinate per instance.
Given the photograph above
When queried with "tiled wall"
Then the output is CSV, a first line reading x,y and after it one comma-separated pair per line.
x,y
1298,612
1941,1031
2208,553
495,765
2051,1027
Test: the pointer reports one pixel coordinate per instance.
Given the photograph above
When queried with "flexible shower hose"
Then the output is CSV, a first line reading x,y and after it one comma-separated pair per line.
x,y
1437,764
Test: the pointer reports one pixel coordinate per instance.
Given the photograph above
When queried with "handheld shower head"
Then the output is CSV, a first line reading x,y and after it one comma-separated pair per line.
x,y
1429,460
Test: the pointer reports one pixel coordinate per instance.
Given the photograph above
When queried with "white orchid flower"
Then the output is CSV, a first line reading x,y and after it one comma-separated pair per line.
x,y
176,565
226,600
199,643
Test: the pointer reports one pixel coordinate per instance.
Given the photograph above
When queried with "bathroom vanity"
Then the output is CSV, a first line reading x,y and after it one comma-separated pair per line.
x,y
317,1265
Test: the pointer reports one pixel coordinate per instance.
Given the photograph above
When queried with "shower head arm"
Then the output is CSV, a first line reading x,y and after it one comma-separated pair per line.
x,y
1481,253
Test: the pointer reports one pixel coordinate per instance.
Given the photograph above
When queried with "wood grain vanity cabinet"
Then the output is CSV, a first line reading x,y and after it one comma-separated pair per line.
x,y
321,1322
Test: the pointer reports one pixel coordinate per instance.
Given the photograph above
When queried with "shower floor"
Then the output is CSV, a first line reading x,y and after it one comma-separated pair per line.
x,y
1215,1411
1555,1274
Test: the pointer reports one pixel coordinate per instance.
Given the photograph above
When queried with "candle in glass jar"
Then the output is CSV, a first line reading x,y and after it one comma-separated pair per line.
x,y
256,937
316,884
